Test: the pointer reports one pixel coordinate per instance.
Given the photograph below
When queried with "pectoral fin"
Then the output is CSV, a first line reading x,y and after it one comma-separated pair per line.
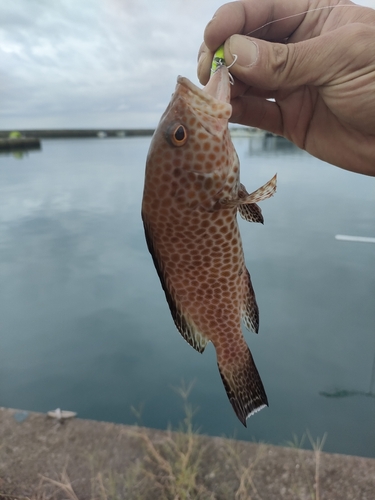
x,y
262,193
184,325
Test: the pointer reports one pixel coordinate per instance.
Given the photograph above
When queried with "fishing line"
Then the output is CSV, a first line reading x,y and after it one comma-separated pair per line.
x,y
372,379
219,54
301,14
283,19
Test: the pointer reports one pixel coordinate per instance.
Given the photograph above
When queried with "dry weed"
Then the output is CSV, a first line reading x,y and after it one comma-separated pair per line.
x,y
174,468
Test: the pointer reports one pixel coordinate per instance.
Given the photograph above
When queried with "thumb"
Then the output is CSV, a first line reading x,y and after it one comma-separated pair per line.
x,y
316,61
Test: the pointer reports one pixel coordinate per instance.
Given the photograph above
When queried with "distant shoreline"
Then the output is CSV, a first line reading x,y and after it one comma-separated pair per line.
x,y
115,132
30,139
79,133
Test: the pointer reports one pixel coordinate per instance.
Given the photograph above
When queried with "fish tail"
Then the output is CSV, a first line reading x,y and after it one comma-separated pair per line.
x,y
243,384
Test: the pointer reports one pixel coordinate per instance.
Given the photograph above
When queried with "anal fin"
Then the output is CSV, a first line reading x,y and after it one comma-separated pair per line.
x,y
186,328
250,311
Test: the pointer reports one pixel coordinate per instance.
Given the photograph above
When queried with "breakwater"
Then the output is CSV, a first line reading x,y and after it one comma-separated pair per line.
x,y
19,143
79,133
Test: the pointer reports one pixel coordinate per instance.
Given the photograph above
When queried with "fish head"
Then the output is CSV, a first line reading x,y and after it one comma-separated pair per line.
x,y
202,110
192,130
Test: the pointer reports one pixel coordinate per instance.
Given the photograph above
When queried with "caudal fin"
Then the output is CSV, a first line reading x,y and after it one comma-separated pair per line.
x,y
244,386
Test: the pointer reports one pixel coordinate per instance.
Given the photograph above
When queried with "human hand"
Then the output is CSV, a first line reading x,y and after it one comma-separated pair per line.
x,y
319,67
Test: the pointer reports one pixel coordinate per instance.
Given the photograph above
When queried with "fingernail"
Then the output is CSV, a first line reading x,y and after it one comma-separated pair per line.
x,y
245,49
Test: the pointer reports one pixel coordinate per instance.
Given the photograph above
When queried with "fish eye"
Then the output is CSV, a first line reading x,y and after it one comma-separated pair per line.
x,y
178,135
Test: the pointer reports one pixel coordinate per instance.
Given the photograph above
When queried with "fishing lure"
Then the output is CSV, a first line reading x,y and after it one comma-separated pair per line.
x,y
218,59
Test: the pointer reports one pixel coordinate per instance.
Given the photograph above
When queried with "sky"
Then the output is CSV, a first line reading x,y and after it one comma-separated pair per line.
x,y
96,63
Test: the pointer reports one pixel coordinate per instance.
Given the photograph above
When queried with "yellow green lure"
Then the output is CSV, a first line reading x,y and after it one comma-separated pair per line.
x,y
218,59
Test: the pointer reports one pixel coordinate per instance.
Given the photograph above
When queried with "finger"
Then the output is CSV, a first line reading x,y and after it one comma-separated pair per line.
x,y
255,92
257,112
256,17
229,19
205,57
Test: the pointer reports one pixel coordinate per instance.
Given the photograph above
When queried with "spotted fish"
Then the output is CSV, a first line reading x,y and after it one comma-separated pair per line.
x,y
191,197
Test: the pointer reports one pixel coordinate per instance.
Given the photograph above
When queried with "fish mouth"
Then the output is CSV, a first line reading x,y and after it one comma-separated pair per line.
x,y
213,99
219,85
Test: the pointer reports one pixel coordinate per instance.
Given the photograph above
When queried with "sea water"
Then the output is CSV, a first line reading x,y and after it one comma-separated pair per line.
x,y
84,324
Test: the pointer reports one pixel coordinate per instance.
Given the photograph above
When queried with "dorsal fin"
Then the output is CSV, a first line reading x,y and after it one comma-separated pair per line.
x,y
184,325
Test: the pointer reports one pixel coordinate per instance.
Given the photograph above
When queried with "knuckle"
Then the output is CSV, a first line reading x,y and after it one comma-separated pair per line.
x,y
281,63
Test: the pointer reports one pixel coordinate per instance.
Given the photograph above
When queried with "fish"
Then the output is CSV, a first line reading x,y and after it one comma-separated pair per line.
x,y
192,193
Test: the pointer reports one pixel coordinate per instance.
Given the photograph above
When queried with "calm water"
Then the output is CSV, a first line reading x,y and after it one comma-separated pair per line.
x,y
85,325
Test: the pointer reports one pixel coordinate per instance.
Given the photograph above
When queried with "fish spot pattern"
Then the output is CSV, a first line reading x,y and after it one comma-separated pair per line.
x,y
195,242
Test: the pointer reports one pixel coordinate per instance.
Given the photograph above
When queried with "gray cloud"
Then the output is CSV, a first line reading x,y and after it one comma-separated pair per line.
x,y
96,63
110,63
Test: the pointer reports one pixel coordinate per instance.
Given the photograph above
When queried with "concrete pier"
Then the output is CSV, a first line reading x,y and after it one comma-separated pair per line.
x,y
42,458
